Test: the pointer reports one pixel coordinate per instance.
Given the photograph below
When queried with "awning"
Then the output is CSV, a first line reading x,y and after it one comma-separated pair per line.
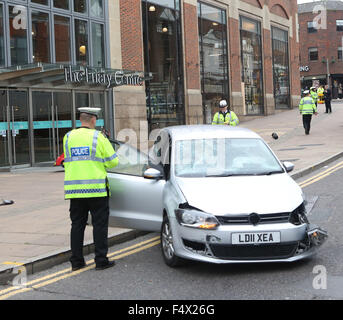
x,y
69,76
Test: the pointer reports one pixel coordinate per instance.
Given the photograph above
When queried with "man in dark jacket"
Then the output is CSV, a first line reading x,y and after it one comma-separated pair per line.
x,y
327,98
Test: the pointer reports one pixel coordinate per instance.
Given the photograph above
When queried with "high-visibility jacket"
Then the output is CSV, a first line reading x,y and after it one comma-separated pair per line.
x,y
320,91
307,106
314,96
230,119
87,155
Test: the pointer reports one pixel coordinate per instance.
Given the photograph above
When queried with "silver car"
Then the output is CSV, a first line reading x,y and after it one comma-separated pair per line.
x,y
216,193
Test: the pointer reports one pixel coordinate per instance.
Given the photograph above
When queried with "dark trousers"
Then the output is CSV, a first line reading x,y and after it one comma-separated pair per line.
x,y
307,122
328,106
79,209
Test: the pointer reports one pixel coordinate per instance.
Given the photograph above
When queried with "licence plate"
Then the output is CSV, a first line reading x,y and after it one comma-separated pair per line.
x,y
256,238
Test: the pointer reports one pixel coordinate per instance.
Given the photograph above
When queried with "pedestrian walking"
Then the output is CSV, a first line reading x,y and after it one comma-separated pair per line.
x,y
307,108
327,99
88,153
225,116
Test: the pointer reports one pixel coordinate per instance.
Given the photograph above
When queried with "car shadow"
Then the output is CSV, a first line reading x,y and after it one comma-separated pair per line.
x,y
203,268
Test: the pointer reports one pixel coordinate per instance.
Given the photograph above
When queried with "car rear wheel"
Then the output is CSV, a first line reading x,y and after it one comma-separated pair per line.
x,y
167,245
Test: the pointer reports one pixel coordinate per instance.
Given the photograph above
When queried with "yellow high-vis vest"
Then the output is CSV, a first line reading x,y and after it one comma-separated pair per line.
x,y
87,155
307,106
231,119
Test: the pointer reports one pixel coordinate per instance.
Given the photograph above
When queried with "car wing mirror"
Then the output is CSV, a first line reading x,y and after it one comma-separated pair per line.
x,y
289,166
153,174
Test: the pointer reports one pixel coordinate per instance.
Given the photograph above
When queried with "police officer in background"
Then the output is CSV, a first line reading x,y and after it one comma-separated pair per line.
x,y
307,108
314,95
225,116
88,153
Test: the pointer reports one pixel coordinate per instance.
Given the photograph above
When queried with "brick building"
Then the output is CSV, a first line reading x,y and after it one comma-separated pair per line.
x,y
321,42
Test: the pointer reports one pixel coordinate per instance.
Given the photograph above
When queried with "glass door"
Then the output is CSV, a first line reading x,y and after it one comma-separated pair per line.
x,y
42,126
52,119
4,129
63,118
19,127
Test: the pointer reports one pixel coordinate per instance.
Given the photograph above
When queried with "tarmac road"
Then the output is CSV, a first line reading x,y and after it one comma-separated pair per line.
x,y
141,274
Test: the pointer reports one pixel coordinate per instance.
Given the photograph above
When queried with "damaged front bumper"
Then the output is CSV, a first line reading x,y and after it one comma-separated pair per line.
x,y
298,242
316,235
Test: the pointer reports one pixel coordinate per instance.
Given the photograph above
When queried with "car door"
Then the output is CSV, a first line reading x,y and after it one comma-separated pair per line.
x,y
135,202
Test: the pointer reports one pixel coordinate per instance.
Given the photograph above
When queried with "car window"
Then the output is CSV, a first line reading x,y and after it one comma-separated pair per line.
x,y
131,161
206,157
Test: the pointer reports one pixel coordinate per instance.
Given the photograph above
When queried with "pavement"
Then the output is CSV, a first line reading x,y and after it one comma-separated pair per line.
x,y
35,230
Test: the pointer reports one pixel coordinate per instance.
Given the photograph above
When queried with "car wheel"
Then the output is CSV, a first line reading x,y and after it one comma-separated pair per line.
x,y
167,245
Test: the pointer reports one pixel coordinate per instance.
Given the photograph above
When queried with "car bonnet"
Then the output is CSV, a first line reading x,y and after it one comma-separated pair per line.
x,y
242,194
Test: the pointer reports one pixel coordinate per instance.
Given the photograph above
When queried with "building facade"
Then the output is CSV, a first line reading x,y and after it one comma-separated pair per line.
x,y
199,52
321,43
148,64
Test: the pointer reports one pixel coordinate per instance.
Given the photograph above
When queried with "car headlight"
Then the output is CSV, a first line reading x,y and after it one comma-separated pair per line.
x,y
298,216
196,219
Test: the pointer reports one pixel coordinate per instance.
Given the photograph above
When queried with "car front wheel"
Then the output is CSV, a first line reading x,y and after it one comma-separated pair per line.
x,y
167,245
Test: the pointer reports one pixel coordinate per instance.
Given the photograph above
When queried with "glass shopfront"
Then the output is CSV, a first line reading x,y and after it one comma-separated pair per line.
x,y
252,68
34,122
213,57
38,38
163,60
281,68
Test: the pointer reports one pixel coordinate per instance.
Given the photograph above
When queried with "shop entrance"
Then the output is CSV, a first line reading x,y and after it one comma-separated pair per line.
x,y
14,128
52,119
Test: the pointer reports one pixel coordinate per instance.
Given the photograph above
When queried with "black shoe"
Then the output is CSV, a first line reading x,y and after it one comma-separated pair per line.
x,y
109,264
78,267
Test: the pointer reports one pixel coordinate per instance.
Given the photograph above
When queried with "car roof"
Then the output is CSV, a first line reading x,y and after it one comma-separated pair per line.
x,y
187,132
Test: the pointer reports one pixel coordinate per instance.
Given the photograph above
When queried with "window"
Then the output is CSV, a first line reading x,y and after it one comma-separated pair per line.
x,y
2,43
339,25
62,39
223,157
40,37
98,43
96,8
44,2
131,161
61,4
213,56
311,27
163,59
252,68
339,53
80,6
280,68
18,35
313,54
81,41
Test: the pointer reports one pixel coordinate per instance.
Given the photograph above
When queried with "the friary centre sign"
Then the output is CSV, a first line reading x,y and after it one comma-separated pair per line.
x,y
109,79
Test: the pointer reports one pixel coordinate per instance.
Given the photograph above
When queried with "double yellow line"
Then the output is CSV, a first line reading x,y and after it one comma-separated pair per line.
x,y
321,175
67,273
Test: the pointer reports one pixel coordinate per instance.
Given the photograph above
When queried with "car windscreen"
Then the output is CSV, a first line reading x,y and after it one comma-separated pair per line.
x,y
224,157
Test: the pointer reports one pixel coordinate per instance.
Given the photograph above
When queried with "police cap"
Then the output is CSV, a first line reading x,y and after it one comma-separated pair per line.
x,y
91,111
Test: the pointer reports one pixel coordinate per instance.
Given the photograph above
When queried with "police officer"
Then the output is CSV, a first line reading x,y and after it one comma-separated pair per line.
x,y
88,153
225,116
314,94
307,108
